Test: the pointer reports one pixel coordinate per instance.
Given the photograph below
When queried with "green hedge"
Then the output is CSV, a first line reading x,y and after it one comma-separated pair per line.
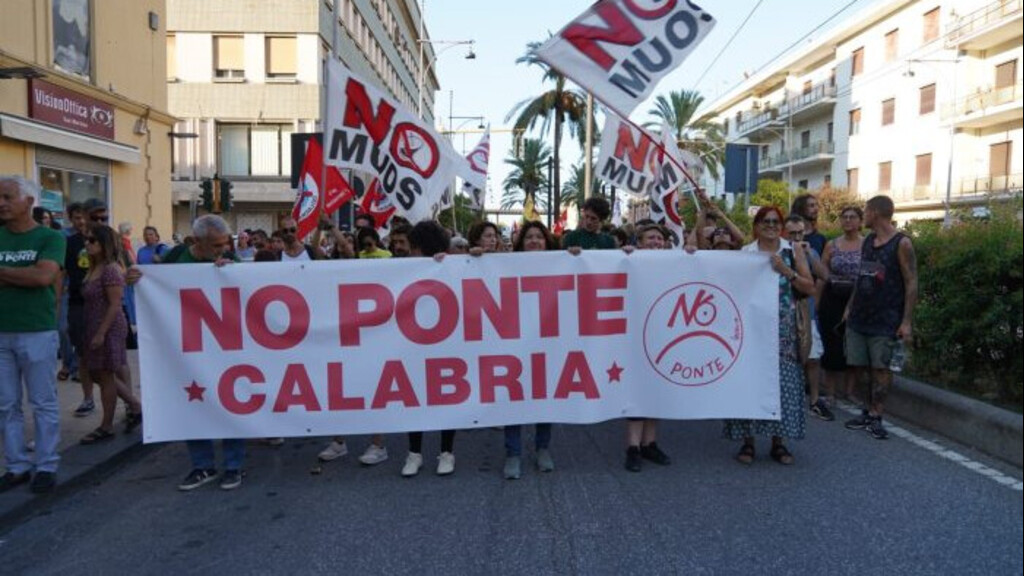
x,y
968,322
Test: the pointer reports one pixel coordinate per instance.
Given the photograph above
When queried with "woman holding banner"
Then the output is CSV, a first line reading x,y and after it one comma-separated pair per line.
x,y
484,237
533,237
794,274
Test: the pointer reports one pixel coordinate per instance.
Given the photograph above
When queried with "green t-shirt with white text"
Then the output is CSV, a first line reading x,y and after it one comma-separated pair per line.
x,y
29,309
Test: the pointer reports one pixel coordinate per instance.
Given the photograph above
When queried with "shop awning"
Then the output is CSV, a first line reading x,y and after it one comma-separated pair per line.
x,y
37,133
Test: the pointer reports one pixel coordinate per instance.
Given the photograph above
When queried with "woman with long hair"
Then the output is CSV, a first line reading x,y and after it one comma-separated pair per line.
x,y
106,330
484,237
533,237
790,262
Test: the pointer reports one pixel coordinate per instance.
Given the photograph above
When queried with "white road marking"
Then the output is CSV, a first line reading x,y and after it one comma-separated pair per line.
x,y
942,452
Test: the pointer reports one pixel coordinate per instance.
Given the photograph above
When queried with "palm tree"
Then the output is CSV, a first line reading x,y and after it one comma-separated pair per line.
x,y
528,175
701,137
573,194
554,107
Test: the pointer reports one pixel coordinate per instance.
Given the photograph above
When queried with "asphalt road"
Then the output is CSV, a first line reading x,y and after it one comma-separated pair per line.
x,y
850,505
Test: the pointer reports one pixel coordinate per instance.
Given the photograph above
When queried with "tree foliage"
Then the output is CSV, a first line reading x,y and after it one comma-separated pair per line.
x,y
528,175
678,109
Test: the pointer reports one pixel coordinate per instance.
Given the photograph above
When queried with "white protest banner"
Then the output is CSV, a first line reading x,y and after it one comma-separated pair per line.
x,y
628,157
371,132
474,171
620,49
348,347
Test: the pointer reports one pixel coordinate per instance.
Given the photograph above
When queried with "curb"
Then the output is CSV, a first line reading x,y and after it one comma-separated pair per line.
x,y
994,431
79,466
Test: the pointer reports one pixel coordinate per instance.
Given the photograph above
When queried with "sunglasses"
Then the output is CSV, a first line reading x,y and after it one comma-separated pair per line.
x,y
291,230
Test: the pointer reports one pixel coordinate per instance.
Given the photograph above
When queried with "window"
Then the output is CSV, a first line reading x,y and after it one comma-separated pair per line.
x,y
892,45
805,139
828,182
888,111
281,57
853,180
172,57
832,78
884,176
764,153
854,121
927,105
228,57
725,125
1006,74
72,36
999,159
931,26
804,184
831,133
923,175
857,62
259,150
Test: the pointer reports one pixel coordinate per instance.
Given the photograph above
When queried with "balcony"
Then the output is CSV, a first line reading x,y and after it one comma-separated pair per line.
x,y
760,120
821,98
1009,184
986,107
987,26
965,190
819,151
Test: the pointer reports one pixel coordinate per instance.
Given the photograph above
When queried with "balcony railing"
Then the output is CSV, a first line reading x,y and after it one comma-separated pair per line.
x,y
798,155
817,94
981,19
983,99
760,118
990,184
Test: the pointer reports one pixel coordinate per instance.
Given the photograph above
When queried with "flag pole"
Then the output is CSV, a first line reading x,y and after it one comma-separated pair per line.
x,y
588,165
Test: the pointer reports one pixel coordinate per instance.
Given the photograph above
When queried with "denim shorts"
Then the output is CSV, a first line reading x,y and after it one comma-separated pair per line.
x,y
863,350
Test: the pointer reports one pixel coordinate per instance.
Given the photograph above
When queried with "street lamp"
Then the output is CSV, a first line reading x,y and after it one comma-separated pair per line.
x,y
448,44
947,217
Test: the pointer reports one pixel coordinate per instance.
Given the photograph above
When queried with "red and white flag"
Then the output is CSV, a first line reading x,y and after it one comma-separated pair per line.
x,y
306,211
559,227
369,131
474,171
620,49
378,206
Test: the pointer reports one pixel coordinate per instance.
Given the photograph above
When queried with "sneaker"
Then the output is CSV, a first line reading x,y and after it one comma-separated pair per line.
x,y
85,408
513,468
44,482
634,460
11,480
413,463
445,464
859,423
821,410
544,461
875,428
197,478
333,451
654,454
232,479
374,455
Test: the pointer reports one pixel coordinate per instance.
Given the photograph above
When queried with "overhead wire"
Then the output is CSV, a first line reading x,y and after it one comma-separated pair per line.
x,y
728,43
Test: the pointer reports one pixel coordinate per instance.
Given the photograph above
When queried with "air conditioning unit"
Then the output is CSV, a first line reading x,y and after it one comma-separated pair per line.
x,y
756,105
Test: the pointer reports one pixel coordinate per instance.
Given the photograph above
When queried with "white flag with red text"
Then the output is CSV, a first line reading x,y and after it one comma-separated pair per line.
x,y
306,211
620,49
474,171
628,158
372,132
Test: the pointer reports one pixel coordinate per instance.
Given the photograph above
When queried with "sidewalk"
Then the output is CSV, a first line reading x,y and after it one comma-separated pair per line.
x,y
77,461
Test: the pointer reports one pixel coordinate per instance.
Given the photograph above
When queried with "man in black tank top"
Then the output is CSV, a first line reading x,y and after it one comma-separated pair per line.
x,y
880,311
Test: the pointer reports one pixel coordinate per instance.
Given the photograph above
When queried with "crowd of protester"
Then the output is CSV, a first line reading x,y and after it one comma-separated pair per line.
x,y
843,305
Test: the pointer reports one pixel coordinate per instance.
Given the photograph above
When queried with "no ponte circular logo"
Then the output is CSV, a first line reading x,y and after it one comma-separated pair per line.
x,y
693,334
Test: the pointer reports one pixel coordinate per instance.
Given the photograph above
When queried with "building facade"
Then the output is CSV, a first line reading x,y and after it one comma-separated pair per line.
x,y
917,99
83,104
243,76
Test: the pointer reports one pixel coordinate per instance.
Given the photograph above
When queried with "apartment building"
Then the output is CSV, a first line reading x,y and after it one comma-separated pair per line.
x,y
917,99
244,75
83,104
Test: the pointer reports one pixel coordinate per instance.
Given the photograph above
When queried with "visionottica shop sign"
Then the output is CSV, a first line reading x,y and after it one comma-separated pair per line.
x,y
70,110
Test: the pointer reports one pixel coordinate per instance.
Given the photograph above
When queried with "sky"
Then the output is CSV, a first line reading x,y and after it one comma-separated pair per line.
x,y
492,84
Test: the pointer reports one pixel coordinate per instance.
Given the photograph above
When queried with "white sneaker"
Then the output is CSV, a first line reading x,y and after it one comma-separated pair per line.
x,y
445,464
333,451
374,455
413,463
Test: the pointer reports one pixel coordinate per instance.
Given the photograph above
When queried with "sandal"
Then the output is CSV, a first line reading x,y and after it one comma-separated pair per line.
x,y
132,422
746,454
63,375
97,435
781,455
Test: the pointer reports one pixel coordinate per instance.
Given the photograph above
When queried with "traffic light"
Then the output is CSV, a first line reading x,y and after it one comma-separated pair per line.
x,y
216,194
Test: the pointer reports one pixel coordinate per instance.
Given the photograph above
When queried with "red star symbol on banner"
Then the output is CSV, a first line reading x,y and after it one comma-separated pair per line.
x,y
195,391
615,373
